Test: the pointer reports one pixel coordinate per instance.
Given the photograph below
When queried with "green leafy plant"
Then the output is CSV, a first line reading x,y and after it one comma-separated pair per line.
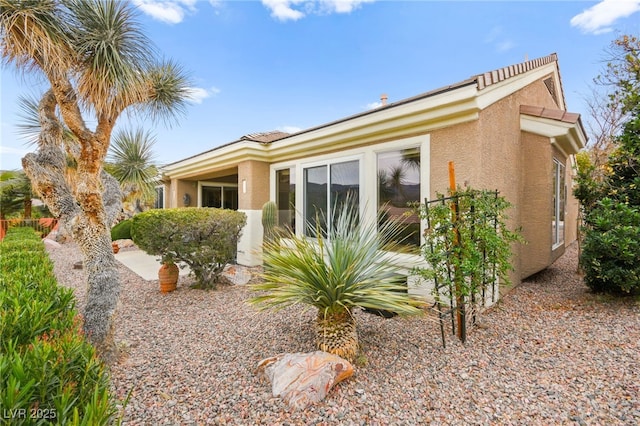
x,y
122,230
205,239
467,248
611,249
610,255
354,266
49,373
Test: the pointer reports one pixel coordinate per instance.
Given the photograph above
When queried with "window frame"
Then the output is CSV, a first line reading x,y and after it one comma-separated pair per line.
x,y
163,200
559,197
220,185
368,179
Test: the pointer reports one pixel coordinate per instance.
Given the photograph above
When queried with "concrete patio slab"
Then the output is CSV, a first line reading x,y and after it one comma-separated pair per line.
x,y
144,265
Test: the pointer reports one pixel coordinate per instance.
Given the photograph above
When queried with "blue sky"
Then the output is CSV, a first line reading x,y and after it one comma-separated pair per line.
x,y
289,65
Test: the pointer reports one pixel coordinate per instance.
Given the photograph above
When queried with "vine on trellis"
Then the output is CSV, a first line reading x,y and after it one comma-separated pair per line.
x,y
467,246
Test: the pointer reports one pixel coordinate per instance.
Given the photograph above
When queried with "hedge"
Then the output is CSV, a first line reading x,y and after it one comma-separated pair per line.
x,y
48,372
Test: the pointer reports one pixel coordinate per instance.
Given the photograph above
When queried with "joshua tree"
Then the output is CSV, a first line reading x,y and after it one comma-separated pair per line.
x,y
352,267
98,63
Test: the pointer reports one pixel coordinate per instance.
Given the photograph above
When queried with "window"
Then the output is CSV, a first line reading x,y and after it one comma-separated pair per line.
x,y
559,201
219,196
398,189
286,197
326,187
158,203
212,196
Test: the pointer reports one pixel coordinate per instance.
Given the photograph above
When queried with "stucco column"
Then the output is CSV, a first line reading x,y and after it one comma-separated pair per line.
x,y
178,189
253,192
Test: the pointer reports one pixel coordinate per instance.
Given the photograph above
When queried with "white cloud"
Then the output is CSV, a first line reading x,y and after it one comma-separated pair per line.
x,y
598,19
505,45
494,33
342,6
497,38
289,129
284,10
197,95
374,105
171,12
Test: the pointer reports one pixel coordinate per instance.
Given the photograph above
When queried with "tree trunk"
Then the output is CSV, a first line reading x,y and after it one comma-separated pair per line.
x,y
83,211
336,333
27,207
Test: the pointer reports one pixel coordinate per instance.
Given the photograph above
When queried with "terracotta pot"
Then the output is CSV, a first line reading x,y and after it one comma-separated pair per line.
x,y
115,247
168,276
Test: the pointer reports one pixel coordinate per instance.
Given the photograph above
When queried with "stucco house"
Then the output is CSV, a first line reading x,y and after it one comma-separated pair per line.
x,y
506,129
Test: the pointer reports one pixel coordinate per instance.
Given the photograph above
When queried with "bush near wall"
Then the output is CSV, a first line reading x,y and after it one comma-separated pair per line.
x,y
205,239
48,372
121,231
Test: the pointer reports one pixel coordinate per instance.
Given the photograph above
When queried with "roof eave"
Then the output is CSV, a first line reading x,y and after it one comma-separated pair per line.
x,y
569,137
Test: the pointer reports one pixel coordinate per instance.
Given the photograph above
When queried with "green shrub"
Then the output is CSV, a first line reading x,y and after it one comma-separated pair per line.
x,y
611,252
610,199
205,239
122,230
48,372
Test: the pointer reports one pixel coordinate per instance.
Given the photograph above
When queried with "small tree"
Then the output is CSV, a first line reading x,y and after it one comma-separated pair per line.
x,y
468,249
611,254
205,239
15,194
610,193
354,265
98,63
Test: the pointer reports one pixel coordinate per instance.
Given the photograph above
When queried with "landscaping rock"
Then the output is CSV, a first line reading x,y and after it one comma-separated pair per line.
x,y
51,244
302,379
237,274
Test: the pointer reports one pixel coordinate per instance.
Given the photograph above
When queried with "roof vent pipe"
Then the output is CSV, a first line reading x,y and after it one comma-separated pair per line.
x,y
383,99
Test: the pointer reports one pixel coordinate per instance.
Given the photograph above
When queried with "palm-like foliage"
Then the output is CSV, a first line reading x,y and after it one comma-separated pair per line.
x,y
131,163
99,63
15,194
355,266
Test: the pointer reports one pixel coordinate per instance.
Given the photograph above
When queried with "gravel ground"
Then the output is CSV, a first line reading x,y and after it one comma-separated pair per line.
x,y
550,353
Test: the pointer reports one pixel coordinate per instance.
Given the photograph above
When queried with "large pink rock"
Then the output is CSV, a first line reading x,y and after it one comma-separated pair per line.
x,y
301,379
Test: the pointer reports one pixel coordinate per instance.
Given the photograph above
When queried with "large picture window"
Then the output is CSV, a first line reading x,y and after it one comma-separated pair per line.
x,y
326,187
559,201
399,190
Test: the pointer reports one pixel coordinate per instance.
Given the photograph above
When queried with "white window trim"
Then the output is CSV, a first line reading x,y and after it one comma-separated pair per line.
x,y
557,194
368,179
216,184
328,163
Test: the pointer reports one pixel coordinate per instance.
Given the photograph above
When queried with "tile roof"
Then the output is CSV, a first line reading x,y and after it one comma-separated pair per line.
x,y
480,80
496,76
264,137
553,114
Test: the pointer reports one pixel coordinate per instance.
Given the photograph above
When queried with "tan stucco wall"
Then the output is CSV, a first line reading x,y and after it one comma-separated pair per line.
x,y
256,175
492,153
536,205
177,189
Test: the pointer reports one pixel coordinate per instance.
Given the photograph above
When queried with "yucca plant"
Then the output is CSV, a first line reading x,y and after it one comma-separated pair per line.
x,y
354,265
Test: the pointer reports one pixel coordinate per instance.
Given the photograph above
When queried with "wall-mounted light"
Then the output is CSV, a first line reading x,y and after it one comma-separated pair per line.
x,y
244,186
186,200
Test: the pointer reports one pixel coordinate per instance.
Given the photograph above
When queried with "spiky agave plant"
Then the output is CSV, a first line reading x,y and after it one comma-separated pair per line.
x,y
355,265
